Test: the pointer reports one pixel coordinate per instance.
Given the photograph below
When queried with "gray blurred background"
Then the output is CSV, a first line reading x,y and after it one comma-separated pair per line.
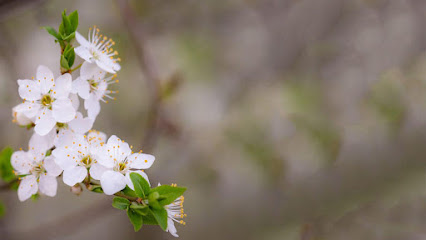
x,y
286,119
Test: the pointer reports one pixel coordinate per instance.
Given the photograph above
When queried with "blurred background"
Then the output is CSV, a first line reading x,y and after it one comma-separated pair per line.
x,y
286,119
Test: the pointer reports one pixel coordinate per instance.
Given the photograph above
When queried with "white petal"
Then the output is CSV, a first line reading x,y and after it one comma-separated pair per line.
x,y
91,71
45,78
117,148
21,162
44,122
81,40
64,138
81,125
19,117
75,101
96,138
48,185
97,170
141,160
106,64
63,86
84,53
171,227
29,90
43,142
51,167
65,158
63,111
27,188
92,106
112,182
101,89
129,181
74,175
82,87
29,109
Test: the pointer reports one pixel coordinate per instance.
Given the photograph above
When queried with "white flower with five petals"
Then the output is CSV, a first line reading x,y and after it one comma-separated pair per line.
x,y
80,157
98,49
39,172
119,160
92,86
46,100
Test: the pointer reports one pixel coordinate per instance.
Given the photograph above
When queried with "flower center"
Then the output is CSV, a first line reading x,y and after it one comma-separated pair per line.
x,y
87,161
37,170
46,100
93,85
122,166
61,125
95,54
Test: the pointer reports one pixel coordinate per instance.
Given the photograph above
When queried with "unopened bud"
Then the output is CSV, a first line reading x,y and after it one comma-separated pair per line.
x,y
76,189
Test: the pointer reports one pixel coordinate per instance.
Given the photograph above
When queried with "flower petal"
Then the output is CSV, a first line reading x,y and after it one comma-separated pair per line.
x,y
117,148
27,188
74,175
91,71
97,170
92,106
141,160
82,87
65,158
64,138
29,109
129,181
171,227
51,167
75,101
83,52
44,122
29,90
43,143
80,125
20,117
21,162
48,185
81,40
63,111
63,86
112,182
45,78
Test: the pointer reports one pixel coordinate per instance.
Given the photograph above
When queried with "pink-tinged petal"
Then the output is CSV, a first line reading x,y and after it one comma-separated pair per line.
x,y
63,86
75,101
97,170
82,87
21,162
91,71
44,122
63,111
29,90
81,40
84,53
80,125
48,185
42,142
29,109
51,167
27,187
92,106
112,182
74,175
65,158
129,181
44,77
141,160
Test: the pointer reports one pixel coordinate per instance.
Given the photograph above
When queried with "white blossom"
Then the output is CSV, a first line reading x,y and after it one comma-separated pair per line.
x,y
175,213
80,157
120,161
46,100
92,86
98,49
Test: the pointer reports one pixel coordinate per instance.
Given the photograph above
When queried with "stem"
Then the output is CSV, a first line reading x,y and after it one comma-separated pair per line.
x,y
72,70
133,199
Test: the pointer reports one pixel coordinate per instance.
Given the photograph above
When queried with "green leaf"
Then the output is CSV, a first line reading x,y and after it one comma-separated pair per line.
x,y
149,219
73,17
135,219
129,192
161,216
64,63
141,185
168,193
61,29
53,32
71,57
97,189
67,24
139,209
35,197
120,203
2,209
69,37
6,169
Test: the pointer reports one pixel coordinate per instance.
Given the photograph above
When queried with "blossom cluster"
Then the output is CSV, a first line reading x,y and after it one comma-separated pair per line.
x,y
63,142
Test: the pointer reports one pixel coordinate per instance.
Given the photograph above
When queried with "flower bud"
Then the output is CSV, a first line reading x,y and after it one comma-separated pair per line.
x,y
76,189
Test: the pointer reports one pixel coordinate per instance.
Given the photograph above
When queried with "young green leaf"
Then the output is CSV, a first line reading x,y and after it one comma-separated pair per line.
x,y
69,37
135,219
149,219
120,203
161,216
141,185
6,169
73,17
139,209
53,32
67,24
129,192
168,193
64,63
61,29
